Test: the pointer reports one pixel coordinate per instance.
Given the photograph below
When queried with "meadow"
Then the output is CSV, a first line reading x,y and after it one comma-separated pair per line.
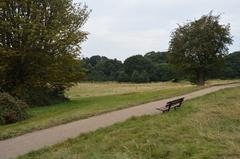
x,y
89,99
205,127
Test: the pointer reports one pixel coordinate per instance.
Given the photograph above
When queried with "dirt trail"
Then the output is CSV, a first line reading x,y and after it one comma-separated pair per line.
x,y
11,148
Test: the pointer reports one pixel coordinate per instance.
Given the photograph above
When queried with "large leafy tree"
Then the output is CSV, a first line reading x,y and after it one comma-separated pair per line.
x,y
199,47
136,66
40,46
100,68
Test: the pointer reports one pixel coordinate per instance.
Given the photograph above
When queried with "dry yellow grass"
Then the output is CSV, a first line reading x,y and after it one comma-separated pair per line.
x,y
113,88
88,89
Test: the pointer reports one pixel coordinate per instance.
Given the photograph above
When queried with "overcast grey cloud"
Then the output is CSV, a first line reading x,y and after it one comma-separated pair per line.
x,y
119,29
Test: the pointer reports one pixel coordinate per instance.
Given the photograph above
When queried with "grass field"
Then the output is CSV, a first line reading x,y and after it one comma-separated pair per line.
x,y
113,88
204,128
88,99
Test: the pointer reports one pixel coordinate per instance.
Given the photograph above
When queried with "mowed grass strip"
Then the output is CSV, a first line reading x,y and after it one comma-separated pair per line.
x,y
203,128
44,117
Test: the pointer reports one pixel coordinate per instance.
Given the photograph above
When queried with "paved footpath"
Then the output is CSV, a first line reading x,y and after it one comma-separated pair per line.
x,y
11,148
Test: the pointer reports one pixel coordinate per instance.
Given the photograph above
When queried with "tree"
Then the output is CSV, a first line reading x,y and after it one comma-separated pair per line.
x,y
94,60
166,72
100,68
162,71
232,65
139,77
137,64
122,76
200,46
40,46
157,57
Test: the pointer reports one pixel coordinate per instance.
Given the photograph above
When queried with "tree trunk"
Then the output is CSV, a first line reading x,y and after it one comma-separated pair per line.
x,y
200,77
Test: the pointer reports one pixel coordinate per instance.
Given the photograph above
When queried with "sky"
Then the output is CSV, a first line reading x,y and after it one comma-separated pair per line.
x,y
122,28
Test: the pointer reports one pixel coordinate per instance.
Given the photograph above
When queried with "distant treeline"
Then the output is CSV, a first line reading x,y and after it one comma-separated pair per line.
x,y
152,67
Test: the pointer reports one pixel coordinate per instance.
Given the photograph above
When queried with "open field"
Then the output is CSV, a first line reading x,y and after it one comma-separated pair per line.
x,y
205,127
113,88
88,104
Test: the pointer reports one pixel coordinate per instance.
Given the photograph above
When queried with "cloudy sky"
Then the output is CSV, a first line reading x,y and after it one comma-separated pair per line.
x,y
119,29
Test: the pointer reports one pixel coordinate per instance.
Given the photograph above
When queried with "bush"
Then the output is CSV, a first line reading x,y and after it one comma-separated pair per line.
x,y
41,96
11,109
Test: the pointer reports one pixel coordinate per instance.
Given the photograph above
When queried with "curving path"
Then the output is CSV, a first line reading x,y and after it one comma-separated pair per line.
x,y
11,148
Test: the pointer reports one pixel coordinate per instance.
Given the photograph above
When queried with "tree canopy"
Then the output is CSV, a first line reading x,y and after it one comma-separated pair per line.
x,y
199,47
40,46
100,68
151,67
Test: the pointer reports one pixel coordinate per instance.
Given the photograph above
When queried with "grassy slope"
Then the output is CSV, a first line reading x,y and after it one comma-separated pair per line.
x,y
45,117
204,128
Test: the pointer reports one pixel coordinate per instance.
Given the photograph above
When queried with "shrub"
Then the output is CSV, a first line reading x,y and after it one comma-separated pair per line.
x,y
11,109
41,96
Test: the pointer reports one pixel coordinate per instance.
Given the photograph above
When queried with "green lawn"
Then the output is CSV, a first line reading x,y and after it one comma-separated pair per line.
x,y
203,128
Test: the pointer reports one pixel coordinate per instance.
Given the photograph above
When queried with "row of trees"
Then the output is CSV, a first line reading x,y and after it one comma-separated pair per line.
x,y
232,66
152,67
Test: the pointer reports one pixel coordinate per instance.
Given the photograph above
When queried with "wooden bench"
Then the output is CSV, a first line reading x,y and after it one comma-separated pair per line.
x,y
172,104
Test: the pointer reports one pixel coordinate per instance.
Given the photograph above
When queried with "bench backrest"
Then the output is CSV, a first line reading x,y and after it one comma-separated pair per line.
x,y
174,102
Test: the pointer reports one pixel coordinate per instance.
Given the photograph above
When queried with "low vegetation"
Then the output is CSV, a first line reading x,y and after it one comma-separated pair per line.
x,y
11,109
206,127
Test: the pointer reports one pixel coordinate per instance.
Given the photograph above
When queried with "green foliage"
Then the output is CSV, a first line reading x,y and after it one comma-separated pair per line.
x,y
123,77
199,47
232,66
43,96
137,63
156,57
102,69
11,109
138,69
166,72
39,46
139,77
151,67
